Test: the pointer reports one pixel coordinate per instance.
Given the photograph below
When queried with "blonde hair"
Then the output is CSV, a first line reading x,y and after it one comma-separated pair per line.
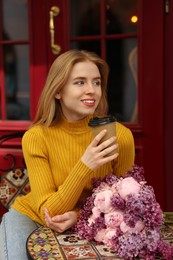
x,y
49,109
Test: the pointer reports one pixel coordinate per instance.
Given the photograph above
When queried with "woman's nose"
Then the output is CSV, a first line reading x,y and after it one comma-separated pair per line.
x,y
90,88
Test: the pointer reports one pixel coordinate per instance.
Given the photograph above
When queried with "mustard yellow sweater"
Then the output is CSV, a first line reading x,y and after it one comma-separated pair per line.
x,y
57,176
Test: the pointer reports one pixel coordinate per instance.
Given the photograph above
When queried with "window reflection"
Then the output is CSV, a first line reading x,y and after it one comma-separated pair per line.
x,y
122,88
85,17
16,59
133,64
15,19
16,68
91,45
10,68
120,12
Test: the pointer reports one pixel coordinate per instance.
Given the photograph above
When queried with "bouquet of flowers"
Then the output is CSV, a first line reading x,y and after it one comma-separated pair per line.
x,y
123,214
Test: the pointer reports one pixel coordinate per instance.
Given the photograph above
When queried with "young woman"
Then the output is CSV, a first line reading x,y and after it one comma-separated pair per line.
x,y
60,153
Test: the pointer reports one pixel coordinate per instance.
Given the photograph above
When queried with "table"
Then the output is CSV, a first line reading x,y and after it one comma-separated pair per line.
x,y
46,244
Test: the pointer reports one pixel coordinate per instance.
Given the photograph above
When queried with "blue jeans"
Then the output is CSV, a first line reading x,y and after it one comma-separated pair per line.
x,y
14,231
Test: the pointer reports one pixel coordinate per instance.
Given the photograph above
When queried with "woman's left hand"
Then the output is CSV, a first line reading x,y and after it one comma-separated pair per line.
x,y
60,223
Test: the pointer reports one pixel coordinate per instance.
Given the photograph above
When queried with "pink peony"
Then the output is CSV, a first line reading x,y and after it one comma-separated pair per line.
x,y
128,186
100,235
103,201
114,219
139,226
109,234
96,214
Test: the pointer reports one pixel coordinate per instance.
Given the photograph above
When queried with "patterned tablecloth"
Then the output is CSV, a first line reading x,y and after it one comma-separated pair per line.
x,y
45,244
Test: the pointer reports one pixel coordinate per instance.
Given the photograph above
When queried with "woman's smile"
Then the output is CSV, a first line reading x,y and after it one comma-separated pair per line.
x,y
88,102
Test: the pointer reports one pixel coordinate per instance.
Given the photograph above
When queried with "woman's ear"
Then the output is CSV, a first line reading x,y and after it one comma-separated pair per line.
x,y
58,95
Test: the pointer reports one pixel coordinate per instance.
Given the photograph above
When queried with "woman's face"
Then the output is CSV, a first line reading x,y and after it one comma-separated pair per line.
x,y
82,92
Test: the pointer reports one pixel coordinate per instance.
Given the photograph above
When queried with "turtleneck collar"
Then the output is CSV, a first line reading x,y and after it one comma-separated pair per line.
x,y
80,126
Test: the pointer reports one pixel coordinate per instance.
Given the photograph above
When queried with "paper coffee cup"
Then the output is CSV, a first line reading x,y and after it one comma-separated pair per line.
x,y
97,124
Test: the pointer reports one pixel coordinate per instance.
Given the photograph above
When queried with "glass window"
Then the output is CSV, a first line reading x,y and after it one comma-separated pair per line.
x,y
16,68
122,84
121,16
109,28
15,19
15,80
85,17
91,45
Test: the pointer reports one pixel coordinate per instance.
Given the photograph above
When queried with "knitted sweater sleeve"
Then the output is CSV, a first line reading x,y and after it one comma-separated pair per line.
x,y
43,189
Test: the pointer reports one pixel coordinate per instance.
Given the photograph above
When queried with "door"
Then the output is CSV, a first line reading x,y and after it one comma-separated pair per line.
x,y
126,35
123,34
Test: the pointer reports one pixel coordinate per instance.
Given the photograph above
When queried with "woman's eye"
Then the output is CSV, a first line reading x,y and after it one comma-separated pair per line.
x,y
80,82
97,82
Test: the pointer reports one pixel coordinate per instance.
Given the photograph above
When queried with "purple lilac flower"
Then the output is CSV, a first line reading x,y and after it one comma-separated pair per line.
x,y
129,246
130,219
110,179
119,232
84,231
165,250
153,237
137,173
99,223
135,205
154,217
95,182
153,213
117,202
147,194
143,244
89,204
84,215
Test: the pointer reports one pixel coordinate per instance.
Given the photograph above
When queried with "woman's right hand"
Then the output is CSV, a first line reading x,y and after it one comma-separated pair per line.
x,y
97,154
62,222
